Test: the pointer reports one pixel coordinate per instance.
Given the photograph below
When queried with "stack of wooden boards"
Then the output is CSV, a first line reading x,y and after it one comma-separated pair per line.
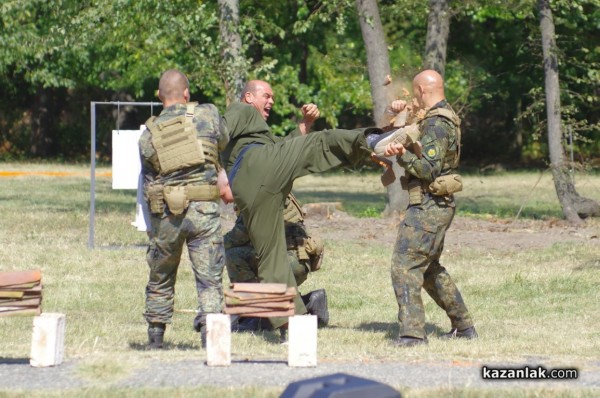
x,y
263,300
20,293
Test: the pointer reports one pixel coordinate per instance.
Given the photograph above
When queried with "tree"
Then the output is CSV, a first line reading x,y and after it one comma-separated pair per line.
x,y
436,42
573,205
378,65
231,49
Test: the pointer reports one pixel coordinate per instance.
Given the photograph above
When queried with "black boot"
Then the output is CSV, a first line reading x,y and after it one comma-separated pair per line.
x,y
316,304
156,334
200,327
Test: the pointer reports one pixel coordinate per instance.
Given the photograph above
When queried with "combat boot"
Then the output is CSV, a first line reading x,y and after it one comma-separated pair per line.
x,y
406,136
200,327
454,333
156,334
316,304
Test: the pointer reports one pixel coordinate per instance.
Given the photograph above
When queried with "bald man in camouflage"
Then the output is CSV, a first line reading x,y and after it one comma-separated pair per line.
x,y
183,181
432,180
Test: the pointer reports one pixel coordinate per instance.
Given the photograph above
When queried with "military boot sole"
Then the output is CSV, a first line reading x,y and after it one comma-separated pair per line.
x,y
405,135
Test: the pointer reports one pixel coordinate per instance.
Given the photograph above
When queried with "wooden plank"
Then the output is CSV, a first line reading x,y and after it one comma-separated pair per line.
x,y
11,294
21,312
28,302
18,277
270,314
267,304
230,301
20,286
278,288
251,309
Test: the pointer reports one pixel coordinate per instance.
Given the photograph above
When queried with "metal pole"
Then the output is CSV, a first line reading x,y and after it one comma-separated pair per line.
x,y
93,158
92,175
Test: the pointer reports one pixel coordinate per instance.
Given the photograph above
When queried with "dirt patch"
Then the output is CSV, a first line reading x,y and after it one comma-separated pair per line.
x,y
492,234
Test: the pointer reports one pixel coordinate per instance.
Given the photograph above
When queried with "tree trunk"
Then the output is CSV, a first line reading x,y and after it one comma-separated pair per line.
x,y
42,123
436,43
379,67
573,205
231,44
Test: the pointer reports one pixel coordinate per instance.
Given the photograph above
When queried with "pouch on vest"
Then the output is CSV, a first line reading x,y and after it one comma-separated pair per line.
x,y
415,193
315,249
446,185
293,211
176,199
176,144
156,199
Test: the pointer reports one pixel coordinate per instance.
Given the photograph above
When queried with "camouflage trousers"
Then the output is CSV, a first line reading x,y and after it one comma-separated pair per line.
x,y
199,227
416,265
242,265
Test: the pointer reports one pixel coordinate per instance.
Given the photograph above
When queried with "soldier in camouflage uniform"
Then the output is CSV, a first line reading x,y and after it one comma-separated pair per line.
x,y
182,183
304,252
431,182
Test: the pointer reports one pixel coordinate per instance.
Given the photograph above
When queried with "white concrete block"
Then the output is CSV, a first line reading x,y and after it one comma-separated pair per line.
x,y
302,341
218,340
48,340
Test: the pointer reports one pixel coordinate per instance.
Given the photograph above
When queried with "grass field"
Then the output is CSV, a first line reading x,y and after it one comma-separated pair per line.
x,y
540,304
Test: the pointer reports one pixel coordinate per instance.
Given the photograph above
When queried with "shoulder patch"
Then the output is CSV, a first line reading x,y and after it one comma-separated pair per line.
x,y
430,152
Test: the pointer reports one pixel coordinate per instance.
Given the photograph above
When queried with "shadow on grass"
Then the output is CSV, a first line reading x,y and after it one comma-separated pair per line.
x,y
392,329
494,207
137,346
14,361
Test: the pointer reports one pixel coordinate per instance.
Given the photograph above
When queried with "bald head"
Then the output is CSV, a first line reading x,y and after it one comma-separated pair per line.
x,y
259,94
428,88
173,87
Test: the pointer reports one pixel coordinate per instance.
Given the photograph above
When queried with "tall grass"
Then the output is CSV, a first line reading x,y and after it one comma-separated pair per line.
x,y
537,303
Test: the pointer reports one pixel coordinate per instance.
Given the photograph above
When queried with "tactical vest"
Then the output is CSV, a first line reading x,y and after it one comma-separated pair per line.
x,y
178,147
448,182
451,161
176,144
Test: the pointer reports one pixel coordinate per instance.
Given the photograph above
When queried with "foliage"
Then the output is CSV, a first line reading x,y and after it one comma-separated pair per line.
x,y
311,51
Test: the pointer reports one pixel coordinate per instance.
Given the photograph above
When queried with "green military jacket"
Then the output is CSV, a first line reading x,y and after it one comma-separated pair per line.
x,y
246,126
209,126
440,144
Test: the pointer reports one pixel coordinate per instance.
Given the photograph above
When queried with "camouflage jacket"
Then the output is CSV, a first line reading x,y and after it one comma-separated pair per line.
x,y
209,126
440,143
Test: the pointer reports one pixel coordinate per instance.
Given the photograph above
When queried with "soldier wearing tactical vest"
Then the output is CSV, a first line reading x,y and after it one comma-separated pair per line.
x,y
431,165
183,181
262,168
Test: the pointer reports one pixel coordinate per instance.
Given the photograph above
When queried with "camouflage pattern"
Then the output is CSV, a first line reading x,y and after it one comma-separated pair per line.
x,y
420,241
198,227
241,260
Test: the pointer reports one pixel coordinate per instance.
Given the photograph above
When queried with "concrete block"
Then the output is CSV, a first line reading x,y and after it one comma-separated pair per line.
x,y
218,340
48,340
302,341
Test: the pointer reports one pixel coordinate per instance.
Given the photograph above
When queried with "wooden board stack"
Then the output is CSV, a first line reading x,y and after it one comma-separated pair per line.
x,y
263,300
20,293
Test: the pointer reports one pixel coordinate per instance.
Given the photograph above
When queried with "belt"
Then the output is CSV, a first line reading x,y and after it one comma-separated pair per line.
x,y
238,161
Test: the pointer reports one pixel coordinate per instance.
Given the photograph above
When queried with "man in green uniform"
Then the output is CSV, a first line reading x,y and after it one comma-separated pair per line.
x,y
183,180
262,169
304,253
431,182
